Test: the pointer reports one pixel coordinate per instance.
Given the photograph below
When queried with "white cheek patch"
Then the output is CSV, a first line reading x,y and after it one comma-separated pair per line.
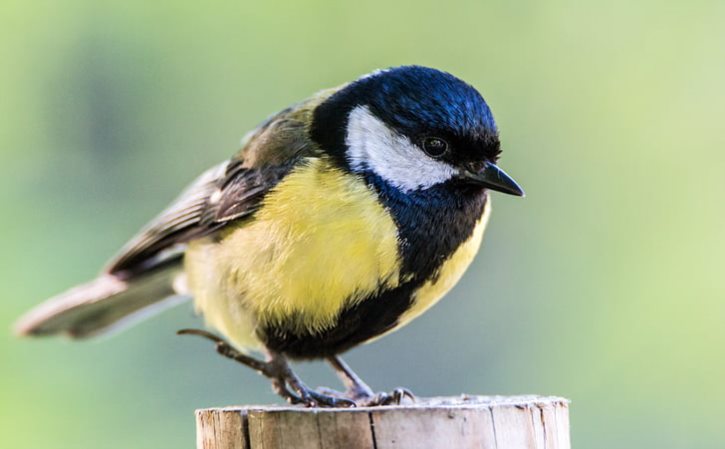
x,y
374,146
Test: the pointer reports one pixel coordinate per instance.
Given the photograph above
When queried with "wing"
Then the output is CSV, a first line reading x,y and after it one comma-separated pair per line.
x,y
227,192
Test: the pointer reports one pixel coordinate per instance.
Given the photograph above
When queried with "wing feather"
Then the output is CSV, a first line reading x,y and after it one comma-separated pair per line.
x,y
183,213
224,193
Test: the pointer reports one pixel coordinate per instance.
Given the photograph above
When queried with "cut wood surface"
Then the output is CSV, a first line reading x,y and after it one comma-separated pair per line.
x,y
461,422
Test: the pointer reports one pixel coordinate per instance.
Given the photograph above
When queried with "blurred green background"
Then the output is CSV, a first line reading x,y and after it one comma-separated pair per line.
x,y
604,285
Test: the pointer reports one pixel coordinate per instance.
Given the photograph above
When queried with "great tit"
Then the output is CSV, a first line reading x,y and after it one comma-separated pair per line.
x,y
341,219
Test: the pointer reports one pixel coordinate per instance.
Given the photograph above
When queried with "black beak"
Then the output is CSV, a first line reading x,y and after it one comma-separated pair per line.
x,y
493,178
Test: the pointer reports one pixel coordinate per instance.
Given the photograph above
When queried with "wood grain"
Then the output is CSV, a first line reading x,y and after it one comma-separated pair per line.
x,y
481,422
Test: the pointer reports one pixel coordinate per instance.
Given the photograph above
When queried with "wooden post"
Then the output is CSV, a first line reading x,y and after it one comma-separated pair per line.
x,y
481,422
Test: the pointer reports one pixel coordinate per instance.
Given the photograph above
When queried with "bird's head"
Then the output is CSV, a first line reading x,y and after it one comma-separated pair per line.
x,y
414,127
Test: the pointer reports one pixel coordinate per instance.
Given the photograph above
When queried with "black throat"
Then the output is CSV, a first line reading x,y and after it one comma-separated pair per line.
x,y
432,223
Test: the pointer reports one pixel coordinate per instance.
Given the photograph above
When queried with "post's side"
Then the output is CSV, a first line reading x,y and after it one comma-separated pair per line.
x,y
481,422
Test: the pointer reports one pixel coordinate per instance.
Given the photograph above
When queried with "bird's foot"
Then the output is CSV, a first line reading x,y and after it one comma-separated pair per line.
x,y
278,371
360,392
310,398
368,398
322,397
396,397
363,398
332,392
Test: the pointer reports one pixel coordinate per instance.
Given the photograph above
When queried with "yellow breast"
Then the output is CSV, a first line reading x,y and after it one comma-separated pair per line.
x,y
320,241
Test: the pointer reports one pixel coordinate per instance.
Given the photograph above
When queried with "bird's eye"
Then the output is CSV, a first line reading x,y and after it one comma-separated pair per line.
x,y
435,146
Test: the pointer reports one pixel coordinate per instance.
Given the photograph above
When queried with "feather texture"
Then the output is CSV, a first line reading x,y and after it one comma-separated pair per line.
x,y
319,243
143,273
101,305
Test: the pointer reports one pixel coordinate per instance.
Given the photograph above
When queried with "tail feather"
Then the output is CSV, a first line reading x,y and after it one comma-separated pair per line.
x,y
105,303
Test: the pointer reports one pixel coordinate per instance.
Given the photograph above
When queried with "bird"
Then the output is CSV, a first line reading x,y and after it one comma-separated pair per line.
x,y
339,220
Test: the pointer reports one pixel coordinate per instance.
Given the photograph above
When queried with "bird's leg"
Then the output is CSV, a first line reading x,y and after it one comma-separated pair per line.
x,y
277,370
355,386
306,395
360,392
264,368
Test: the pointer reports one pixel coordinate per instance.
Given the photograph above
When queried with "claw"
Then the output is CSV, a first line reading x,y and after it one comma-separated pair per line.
x,y
394,398
307,399
360,392
401,393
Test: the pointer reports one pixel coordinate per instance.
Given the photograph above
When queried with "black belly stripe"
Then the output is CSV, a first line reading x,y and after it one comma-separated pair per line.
x,y
369,318
432,224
